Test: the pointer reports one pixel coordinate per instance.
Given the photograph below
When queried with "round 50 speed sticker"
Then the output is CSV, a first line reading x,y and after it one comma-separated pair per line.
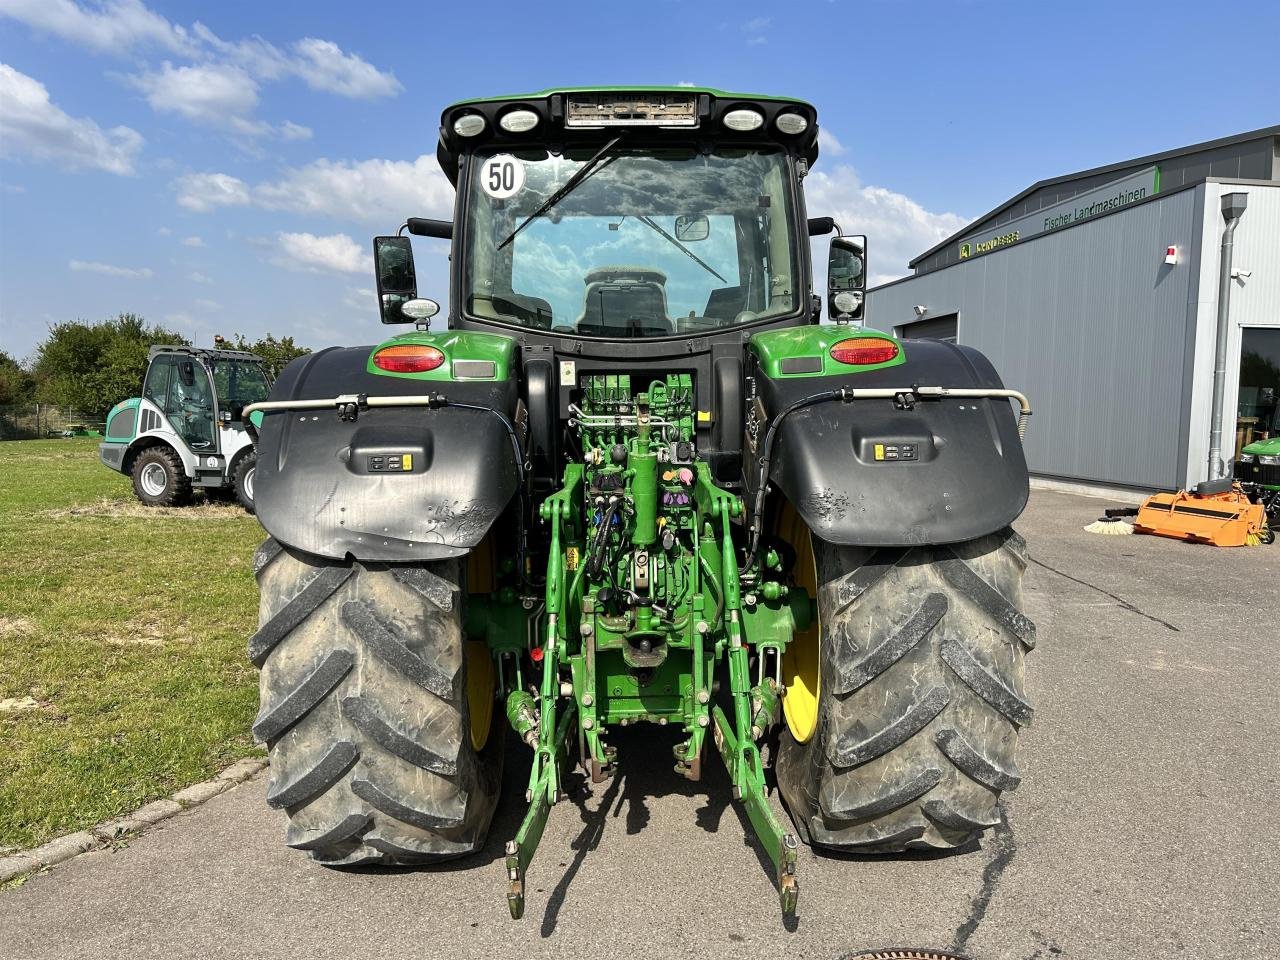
x,y
502,176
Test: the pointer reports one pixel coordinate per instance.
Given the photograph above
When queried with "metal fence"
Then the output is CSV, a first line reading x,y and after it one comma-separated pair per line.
x,y
35,421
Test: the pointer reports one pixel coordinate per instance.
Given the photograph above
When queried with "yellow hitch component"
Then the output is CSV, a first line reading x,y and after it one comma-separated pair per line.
x,y
801,666
479,691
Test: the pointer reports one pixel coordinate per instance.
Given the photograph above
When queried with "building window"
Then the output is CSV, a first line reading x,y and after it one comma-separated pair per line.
x,y
934,328
1258,409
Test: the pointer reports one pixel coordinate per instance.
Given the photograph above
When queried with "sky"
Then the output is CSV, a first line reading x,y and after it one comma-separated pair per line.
x,y
221,167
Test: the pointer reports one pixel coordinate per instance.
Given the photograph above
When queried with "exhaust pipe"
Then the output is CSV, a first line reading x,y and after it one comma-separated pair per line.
x,y
1233,205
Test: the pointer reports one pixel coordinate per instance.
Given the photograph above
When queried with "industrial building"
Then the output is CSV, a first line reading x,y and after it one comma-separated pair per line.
x,y
1101,295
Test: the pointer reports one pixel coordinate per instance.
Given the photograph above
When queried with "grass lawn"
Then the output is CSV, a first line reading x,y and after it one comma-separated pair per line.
x,y
123,673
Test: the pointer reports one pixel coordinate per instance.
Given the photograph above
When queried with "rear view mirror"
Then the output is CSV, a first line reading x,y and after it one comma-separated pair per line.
x,y
397,282
846,278
692,228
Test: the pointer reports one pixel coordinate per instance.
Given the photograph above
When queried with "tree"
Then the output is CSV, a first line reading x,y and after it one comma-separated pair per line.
x,y
16,384
94,366
277,353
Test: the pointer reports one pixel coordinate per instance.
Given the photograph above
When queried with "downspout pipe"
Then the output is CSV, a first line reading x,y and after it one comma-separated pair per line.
x,y
1233,205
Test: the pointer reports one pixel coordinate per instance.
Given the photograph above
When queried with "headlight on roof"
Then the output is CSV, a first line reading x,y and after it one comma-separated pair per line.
x,y
1245,458
744,120
791,123
518,121
1269,461
469,125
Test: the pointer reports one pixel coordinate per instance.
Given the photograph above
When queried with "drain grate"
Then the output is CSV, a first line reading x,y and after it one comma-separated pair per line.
x,y
905,953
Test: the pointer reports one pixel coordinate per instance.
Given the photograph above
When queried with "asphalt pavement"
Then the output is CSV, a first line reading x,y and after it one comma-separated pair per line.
x,y
1146,824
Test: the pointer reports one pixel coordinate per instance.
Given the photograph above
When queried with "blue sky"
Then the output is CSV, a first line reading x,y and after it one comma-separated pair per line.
x,y
221,167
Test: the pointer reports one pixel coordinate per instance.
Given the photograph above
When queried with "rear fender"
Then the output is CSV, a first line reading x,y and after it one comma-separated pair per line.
x,y
967,476
328,487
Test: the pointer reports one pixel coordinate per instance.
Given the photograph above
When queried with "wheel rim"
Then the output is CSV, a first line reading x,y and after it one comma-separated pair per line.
x,y
154,479
248,481
479,691
801,663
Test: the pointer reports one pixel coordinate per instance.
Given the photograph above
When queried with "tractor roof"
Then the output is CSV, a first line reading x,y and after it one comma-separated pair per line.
x,y
544,94
205,354
702,110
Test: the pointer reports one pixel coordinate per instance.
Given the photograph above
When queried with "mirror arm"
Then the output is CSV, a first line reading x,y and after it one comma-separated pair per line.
x,y
424,227
821,226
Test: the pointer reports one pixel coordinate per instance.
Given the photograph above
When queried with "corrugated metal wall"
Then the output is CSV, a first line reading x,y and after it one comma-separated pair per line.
x,y
1092,324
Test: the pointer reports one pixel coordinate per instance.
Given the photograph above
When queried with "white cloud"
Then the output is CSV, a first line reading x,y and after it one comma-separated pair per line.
x,y
196,277
32,125
323,66
117,26
107,270
294,131
214,94
359,298
206,93
336,253
897,227
828,143
211,306
164,231
192,242
372,191
756,29
114,26
203,192
377,191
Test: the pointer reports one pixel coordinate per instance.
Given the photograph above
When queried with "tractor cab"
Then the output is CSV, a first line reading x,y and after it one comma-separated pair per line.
x,y
187,428
629,231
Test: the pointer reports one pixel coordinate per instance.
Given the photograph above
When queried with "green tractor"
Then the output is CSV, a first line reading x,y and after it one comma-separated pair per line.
x,y
635,482
1258,470
188,429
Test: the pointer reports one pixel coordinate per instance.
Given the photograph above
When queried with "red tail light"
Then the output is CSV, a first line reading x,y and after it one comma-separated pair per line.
x,y
860,351
408,358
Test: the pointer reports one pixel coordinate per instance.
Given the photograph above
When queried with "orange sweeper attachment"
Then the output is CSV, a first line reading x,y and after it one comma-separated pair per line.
x,y
1218,513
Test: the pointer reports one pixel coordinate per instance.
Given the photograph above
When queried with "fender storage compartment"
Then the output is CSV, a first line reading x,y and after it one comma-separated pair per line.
x,y
868,473
396,484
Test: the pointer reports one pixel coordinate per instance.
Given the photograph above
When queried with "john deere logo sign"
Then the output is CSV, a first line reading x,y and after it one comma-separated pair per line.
x,y
1084,206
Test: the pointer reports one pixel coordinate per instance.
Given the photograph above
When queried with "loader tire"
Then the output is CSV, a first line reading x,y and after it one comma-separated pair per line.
x,y
160,479
921,696
364,709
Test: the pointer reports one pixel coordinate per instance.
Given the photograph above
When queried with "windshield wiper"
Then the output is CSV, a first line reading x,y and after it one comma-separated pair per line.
x,y
586,170
650,222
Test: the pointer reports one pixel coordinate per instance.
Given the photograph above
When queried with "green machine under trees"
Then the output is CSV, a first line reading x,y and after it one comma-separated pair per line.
x,y
636,482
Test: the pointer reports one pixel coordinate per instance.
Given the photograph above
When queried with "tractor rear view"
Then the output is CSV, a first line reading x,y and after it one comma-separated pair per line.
x,y
634,481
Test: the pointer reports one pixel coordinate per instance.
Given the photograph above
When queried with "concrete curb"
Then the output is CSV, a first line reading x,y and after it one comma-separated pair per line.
x,y
73,845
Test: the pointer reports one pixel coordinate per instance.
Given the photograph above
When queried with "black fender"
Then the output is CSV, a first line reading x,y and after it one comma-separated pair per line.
x,y
968,477
320,487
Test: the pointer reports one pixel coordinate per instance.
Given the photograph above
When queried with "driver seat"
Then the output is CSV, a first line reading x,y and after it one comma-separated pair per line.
x,y
625,301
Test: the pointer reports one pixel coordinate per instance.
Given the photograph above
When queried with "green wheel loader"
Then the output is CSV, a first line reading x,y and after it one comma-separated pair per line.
x,y
635,481
188,429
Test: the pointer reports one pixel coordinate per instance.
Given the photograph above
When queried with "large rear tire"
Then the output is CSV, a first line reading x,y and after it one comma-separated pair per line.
x,y
365,709
920,696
